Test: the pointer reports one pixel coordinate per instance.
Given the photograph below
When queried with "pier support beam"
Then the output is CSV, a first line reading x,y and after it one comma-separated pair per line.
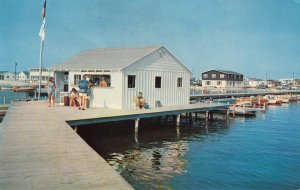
x,y
136,125
206,115
227,114
190,118
233,111
178,119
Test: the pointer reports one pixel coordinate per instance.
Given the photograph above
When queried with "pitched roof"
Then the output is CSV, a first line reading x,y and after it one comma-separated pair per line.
x,y
105,58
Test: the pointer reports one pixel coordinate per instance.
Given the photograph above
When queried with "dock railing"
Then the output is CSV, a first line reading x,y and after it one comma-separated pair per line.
x,y
236,91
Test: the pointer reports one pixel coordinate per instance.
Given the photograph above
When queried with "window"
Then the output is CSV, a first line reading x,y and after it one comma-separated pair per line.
x,y
207,82
131,81
77,78
213,76
205,76
222,76
157,82
179,82
1,77
219,83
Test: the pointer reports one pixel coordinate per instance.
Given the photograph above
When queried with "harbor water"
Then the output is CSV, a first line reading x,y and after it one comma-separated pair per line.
x,y
6,96
261,152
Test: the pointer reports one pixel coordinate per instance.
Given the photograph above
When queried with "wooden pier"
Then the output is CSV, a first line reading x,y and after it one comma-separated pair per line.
x,y
39,150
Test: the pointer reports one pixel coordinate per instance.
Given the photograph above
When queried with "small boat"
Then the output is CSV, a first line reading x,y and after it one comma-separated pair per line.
x,y
241,111
23,89
273,100
285,100
225,101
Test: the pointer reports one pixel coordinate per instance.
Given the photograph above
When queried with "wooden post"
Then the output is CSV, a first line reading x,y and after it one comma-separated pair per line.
x,y
178,131
196,115
136,125
178,120
227,114
206,115
233,111
190,118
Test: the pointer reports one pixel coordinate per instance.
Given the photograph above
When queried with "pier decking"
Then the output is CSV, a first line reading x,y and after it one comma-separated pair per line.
x,y
39,150
75,117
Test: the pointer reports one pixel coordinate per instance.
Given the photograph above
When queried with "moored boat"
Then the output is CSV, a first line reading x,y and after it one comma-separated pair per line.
x,y
23,89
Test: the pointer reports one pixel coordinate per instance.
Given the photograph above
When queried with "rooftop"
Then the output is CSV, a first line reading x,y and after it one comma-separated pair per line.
x,y
105,58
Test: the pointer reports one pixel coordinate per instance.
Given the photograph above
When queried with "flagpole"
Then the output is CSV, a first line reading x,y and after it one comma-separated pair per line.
x,y
40,70
42,35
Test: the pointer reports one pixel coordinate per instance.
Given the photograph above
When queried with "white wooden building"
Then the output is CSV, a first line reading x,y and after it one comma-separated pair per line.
x,y
34,75
23,76
154,71
7,76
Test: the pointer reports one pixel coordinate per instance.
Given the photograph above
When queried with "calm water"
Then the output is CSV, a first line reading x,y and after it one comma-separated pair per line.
x,y
262,152
11,95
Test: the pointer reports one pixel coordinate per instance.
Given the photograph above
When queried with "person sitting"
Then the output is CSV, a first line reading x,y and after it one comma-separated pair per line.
x,y
103,83
74,96
139,100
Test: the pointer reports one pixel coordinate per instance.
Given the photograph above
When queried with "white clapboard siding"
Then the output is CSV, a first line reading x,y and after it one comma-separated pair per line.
x,y
169,69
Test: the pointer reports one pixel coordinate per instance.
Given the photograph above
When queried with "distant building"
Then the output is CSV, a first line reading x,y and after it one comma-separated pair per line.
x,y
23,76
286,81
7,76
273,83
253,82
154,71
34,75
222,79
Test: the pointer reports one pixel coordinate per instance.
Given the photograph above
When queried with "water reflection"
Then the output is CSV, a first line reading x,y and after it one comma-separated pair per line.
x,y
149,158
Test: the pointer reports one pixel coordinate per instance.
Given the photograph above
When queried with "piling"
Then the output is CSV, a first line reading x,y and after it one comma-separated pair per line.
x,y
178,120
136,125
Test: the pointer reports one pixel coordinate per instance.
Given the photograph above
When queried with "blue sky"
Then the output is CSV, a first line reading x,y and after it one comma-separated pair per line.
x,y
253,37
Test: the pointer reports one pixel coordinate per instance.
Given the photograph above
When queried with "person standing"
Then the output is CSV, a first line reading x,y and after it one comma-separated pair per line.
x,y
83,90
51,87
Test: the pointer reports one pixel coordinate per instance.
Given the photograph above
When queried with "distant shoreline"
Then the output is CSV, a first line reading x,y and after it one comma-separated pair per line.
x,y
11,84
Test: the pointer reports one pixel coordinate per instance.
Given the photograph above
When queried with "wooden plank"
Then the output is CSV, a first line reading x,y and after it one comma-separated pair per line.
x,y
40,151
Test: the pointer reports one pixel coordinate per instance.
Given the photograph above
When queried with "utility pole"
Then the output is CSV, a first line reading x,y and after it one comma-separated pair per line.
x,y
16,70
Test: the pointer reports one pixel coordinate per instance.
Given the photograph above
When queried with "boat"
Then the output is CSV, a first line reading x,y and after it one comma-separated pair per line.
x,y
273,100
285,100
23,89
225,101
235,110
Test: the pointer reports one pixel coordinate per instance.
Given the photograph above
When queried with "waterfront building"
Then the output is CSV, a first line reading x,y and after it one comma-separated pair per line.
x,y
34,75
154,71
23,76
273,83
253,82
222,79
7,76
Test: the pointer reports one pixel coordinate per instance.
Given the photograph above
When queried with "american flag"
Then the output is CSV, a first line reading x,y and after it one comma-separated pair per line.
x,y
44,10
43,30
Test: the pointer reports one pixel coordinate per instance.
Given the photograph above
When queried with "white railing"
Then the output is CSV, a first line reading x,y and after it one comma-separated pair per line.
x,y
195,92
